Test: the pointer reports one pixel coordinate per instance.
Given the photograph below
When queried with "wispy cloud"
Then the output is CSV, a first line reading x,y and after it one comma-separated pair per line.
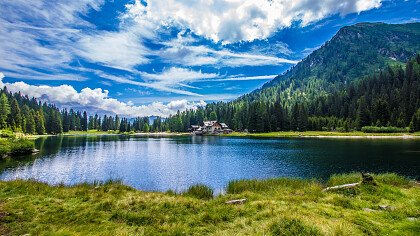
x,y
182,51
244,78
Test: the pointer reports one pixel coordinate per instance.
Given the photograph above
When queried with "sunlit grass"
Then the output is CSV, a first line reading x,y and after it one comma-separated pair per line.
x,y
273,207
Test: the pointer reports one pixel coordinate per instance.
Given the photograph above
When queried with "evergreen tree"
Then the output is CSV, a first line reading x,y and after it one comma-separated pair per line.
x,y
15,116
4,111
415,122
85,121
363,116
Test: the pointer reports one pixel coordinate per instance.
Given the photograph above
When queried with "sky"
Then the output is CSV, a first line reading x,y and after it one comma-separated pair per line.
x,y
155,57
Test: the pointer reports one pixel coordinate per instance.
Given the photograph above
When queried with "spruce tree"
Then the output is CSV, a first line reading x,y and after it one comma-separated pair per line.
x,y
4,111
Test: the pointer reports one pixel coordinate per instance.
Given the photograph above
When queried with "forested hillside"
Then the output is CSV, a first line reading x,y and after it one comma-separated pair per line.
x,y
20,113
366,75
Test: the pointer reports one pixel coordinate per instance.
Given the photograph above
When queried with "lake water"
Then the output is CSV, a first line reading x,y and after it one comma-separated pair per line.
x,y
159,164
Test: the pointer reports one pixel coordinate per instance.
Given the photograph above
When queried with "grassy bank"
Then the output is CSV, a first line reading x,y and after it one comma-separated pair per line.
x,y
12,144
322,134
273,207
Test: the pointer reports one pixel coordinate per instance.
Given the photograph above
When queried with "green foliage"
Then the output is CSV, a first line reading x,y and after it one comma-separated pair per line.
x,y
199,191
374,129
415,122
4,110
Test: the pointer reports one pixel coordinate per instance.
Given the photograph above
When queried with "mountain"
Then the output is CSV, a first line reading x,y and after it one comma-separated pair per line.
x,y
355,51
368,74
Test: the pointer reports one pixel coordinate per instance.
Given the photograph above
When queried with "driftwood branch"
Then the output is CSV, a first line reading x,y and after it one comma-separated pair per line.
x,y
366,179
237,201
342,186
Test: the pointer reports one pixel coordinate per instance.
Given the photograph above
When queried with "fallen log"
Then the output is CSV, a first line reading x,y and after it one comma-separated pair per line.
x,y
237,201
341,186
366,179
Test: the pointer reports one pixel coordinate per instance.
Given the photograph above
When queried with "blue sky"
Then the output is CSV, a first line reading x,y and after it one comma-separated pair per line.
x,y
153,57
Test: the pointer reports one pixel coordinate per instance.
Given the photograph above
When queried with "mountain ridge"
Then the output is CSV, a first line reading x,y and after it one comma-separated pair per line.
x,y
398,33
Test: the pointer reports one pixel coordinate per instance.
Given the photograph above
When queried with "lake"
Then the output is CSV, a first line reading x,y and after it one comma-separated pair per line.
x,y
160,164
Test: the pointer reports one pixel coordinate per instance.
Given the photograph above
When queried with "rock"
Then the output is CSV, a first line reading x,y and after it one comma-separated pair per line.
x,y
237,201
386,208
368,179
368,210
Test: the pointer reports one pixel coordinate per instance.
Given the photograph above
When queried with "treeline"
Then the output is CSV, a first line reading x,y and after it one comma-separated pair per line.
x,y
20,113
390,98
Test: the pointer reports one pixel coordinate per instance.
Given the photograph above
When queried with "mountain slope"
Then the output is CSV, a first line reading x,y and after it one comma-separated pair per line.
x,y
355,51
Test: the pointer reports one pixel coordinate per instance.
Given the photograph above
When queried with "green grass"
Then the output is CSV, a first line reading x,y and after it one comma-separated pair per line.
x,y
199,191
273,207
292,134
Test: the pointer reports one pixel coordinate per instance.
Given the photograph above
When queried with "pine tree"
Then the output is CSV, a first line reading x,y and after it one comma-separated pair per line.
x,y
4,110
39,122
30,123
363,116
15,116
84,122
415,122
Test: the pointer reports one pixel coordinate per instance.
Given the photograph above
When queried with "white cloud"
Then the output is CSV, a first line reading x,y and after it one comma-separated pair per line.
x,y
97,100
236,20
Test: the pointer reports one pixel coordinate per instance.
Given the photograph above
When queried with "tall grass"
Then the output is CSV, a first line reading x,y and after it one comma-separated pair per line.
x,y
239,186
199,191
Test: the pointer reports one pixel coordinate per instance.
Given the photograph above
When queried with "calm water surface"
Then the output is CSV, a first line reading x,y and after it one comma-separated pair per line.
x,y
159,164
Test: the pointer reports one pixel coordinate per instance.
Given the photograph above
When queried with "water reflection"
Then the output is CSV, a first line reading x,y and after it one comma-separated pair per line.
x,y
177,162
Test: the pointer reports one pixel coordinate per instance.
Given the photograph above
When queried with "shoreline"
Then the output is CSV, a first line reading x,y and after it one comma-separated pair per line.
x,y
283,134
327,135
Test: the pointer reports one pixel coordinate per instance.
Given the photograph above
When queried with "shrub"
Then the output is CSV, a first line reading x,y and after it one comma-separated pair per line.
x,y
390,129
199,191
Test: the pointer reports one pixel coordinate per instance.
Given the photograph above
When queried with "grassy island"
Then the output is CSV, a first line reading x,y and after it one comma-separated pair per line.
x,y
13,145
272,207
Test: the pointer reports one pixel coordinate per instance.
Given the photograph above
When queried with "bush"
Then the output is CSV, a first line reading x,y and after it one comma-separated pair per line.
x,y
199,191
390,129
